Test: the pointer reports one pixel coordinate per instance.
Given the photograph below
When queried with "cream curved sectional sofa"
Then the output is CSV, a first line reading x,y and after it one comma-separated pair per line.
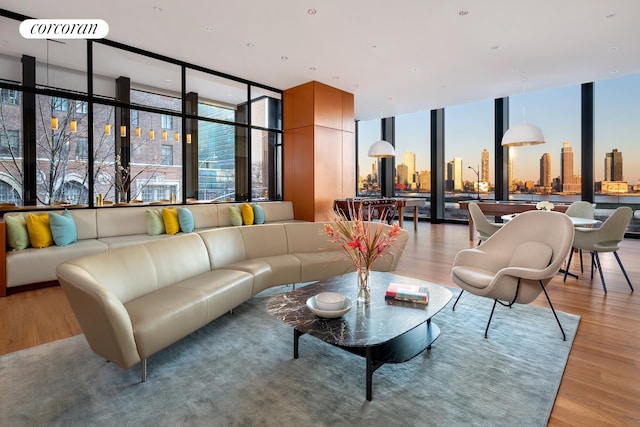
x,y
133,301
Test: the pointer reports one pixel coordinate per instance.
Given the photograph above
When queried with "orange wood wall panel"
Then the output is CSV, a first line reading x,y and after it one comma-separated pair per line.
x,y
348,112
348,165
328,164
298,106
298,171
327,106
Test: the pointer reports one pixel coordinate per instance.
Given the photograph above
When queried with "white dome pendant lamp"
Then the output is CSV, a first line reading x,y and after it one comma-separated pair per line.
x,y
522,134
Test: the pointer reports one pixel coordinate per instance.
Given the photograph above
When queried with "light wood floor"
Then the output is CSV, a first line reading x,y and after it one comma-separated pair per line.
x,y
601,383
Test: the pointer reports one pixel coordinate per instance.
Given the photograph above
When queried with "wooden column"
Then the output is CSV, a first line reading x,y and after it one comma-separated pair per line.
x,y
318,148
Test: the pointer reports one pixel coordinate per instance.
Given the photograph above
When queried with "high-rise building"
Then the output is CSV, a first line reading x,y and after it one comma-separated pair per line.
x,y
613,166
545,171
454,174
402,172
570,183
484,171
409,159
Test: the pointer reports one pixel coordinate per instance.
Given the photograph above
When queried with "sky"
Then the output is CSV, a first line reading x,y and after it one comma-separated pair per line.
x,y
469,129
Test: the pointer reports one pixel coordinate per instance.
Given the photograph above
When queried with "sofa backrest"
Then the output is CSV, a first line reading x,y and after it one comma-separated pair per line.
x,y
121,221
205,215
264,240
225,246
85,220
308,237
179,258
277,211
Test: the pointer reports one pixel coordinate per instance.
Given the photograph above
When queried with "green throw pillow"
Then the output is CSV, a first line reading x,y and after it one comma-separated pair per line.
x,y
258,214
63,228
17,234
235,216
185,218
155,223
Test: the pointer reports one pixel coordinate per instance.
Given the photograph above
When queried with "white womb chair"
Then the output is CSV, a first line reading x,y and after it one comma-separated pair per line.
x,y
606,238
484,227
517,262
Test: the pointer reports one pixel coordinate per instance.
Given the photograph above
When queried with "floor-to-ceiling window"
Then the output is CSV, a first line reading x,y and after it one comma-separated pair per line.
x,y
413,157
468,155
557,113
368,182
616,148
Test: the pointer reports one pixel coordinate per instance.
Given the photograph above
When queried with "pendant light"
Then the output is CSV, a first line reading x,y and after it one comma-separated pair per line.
x,y
381,149
73,125
123,131
176,137
164,134
54,123
523,134
188,138
138,132
107,129
152,134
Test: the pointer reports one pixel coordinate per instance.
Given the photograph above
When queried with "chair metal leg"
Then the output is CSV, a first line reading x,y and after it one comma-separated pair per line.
x,y
623,270
593,263
486,331
566,271
143,365
597,258
581,265
457,299
564,336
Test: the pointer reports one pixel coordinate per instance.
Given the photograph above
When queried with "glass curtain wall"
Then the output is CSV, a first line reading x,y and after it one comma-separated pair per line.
x,y
413,157
468,155
129,132
557,113
616,149
369,131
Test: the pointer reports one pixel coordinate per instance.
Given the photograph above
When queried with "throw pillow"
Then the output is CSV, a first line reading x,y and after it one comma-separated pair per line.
x,y
155,223
17,234
39,231
185,218
247,214
170,219
235,216
63,228
258,214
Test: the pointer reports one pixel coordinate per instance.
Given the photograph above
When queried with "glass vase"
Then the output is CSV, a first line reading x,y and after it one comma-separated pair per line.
x,y
364,291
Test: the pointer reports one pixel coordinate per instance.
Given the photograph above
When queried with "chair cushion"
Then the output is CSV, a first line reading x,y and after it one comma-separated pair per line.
x,y
63,228
473,276
531,255
39,231
185,218
170,220
17,234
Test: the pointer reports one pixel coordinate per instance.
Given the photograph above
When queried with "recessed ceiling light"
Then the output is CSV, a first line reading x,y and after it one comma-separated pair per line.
x,y
312,11
312,68
284,58
356,85
373,46
443,86
336,77
250,45
495,47
157,8
414,69
613,48
209,29
167,80
463,13
389,98
611,15
613,72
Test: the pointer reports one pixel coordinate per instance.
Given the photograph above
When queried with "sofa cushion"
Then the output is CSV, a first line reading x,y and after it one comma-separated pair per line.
x,y
63,228
170,220
258,214
155,223
185,219
39,231
17,235
235,216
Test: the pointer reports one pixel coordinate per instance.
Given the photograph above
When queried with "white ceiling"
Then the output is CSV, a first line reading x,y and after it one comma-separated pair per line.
x,y
395,56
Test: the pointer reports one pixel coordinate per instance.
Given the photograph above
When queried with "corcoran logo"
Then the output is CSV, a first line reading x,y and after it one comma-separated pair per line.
x,y
64,29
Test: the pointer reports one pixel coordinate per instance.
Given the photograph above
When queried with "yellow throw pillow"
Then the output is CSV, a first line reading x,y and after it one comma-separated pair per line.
x,y
247,214
39,231
170,219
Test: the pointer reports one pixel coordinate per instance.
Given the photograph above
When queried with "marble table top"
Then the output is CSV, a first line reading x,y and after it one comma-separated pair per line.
x,y
364,325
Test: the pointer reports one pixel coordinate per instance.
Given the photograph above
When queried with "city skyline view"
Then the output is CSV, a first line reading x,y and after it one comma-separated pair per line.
x,y
469,130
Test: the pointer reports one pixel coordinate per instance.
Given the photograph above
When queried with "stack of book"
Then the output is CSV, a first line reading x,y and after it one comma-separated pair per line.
x,y
410,293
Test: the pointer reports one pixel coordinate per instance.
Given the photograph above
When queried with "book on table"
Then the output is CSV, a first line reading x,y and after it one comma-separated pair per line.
x,y
404,292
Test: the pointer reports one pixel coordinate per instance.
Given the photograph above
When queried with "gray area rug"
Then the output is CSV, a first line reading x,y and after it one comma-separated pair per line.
x,y
239,371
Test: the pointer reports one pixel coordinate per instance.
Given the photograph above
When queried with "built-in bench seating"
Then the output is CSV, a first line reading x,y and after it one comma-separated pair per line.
x,y
106,228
